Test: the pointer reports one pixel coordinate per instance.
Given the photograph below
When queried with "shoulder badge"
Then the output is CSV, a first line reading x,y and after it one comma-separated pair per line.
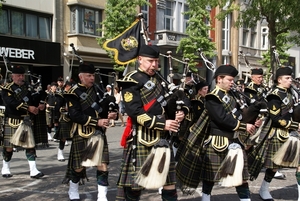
x,y
282,122
128,96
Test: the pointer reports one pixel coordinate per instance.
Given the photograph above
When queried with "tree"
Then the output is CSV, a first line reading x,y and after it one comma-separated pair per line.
x,y
281,16
119,15
197,33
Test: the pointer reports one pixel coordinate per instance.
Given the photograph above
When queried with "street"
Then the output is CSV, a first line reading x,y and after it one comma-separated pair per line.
x,y
22,187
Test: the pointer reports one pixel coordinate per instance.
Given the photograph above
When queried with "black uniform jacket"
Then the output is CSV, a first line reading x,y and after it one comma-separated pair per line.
x,y
280,104
16,99
223,120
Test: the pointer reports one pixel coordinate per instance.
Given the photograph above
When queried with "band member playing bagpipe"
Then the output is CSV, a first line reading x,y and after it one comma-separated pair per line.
x,y
51,118
148,162
90,113
278,147
18,106
223,158
64,122
255,93
197,108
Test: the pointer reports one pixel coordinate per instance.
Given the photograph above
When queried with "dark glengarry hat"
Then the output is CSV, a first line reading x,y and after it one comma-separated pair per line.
x,y
18,70
283,71
240,82
53,84
86,68
151,51
200,85
70,83
257,71
226,70
60,79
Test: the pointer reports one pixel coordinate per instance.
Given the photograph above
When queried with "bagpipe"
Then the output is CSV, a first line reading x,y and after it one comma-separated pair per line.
x,y
23,135
92,155
106,103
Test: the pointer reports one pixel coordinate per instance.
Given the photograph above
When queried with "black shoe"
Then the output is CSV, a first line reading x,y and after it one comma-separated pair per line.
x,y
7,175
61,160
39,175
75,200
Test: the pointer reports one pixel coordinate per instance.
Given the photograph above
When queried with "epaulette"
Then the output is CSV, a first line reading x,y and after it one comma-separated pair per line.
x,y
217,92
250,86
275,92
128,77
7,86
59,94
72,91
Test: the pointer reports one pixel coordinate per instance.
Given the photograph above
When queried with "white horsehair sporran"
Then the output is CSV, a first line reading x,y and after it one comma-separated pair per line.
x,y
93,152
231,169
23,136
153,173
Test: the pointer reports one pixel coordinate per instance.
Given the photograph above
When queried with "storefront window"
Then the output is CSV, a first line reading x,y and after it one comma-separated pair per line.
x,y
3,22
85,20
44,28
25,24
17,23
31,26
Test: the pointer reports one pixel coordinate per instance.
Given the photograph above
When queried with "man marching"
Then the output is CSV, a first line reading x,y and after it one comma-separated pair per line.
x,y
18,106
90,116
147,161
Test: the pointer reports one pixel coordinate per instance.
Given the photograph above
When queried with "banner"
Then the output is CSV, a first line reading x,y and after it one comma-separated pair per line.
x,y
127,44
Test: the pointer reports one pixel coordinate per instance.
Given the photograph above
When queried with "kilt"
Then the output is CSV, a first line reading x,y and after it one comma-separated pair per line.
x,y
128,175
40,127
272,147
77,149
212,161
63,131
8,133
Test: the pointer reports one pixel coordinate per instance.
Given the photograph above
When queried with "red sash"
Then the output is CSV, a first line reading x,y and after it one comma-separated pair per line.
x,y
128,129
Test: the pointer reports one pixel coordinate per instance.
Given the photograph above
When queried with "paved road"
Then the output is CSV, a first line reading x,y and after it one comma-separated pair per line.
x,y
22,187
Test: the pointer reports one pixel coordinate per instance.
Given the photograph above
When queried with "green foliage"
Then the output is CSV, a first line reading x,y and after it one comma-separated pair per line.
x,y
119,15
197,32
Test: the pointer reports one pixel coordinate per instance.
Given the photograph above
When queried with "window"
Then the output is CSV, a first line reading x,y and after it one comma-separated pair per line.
x,y
17,23
226,33
245,35
4,29
264,38
85,20
145,10
186,17
25,24
169,20
253,37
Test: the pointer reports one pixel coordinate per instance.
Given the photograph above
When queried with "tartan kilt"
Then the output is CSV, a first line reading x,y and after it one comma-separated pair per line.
x,y
63,131
188,168
128,175
212,161
273,145
77,149
8,133
40,127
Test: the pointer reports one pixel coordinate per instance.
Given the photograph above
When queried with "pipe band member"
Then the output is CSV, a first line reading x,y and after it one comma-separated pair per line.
x,y
88,111
144,101
18,105
225,119
279,154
